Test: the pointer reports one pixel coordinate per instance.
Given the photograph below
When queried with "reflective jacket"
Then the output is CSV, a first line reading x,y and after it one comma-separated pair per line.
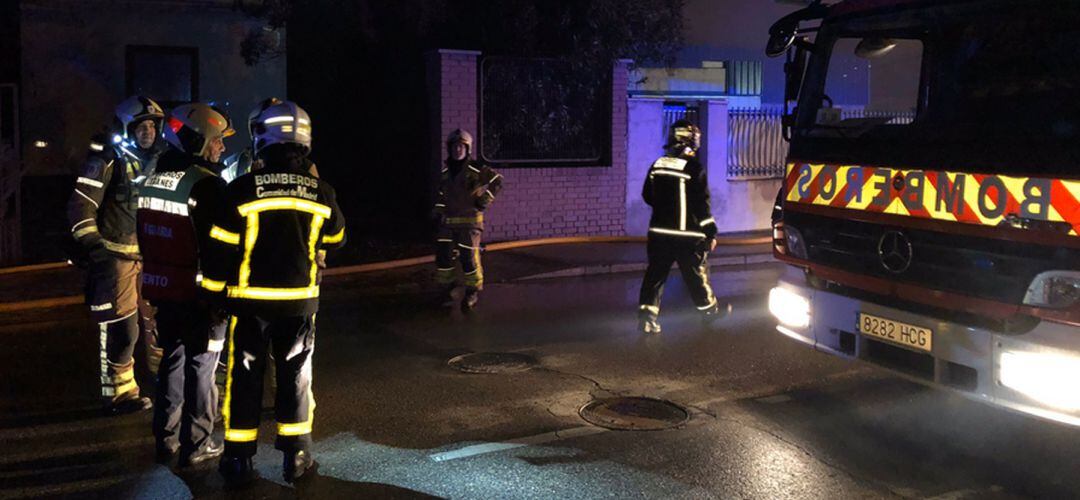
x,y
272,226
677,189
102,206
466,189
177,207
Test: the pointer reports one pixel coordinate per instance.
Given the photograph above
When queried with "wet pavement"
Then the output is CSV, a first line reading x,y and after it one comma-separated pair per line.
x,y
768,417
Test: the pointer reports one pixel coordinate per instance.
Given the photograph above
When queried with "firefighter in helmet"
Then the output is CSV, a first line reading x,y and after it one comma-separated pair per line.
x,y
275,221
101,212
466,189
177,207
681,229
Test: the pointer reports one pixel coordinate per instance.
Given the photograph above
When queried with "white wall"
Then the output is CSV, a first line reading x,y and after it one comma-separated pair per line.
x,y
736,205
645,143
73,67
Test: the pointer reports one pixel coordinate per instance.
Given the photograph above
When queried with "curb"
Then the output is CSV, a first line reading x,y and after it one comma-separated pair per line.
x,y
719,261
47,303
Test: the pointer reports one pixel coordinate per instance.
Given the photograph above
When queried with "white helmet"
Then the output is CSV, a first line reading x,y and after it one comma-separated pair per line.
x,y
190,127
135,109
460,136
282,123
253,117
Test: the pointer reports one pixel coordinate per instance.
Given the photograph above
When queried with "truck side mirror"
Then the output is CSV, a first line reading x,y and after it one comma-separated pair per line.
x,y
794,69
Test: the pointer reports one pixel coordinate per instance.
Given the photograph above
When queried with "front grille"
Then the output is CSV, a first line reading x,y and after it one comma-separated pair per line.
x,y
979,267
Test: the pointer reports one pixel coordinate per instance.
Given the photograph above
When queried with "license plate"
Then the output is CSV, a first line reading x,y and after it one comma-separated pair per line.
x,y
896,332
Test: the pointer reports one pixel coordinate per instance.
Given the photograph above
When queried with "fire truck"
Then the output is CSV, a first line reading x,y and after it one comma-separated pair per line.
x,y
932,228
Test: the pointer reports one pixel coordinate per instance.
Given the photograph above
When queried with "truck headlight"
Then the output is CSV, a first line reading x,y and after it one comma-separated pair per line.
x,y
789,308
796,245
1051,379
1054,289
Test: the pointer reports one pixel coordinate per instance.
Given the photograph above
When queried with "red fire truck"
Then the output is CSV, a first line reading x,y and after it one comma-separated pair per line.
x,y
931,229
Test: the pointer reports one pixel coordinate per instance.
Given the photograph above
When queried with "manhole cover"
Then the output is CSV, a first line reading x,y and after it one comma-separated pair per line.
x,y
633,414
492,362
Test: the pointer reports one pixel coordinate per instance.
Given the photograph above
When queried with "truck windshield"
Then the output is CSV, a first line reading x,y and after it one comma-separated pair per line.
x,y
994,89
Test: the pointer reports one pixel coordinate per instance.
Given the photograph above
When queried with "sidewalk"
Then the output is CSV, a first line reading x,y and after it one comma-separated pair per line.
x,y
535,262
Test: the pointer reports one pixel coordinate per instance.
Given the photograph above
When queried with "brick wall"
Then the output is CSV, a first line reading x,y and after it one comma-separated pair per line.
x,y
536,202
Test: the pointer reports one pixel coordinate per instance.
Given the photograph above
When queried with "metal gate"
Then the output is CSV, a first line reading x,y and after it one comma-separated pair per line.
x,y
11,172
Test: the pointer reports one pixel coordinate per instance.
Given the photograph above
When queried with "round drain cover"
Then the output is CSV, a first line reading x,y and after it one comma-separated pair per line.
x,y
634,414
492,362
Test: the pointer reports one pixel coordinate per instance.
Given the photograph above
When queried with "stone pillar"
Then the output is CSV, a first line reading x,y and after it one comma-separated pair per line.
x,y
645,143
453,90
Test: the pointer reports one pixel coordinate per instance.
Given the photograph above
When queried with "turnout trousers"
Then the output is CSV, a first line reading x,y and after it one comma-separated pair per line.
x,y
114,296
464,243
693,260
251,339
186,405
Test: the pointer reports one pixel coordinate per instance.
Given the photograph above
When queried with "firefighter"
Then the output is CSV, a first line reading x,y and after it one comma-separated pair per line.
x,y
101,212
177,207
276,220
466,189
681,228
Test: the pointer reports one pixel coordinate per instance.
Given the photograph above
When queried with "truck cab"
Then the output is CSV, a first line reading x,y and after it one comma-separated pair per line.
x,y
933,228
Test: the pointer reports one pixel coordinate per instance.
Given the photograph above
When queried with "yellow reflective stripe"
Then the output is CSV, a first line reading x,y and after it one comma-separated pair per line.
x,y
294,429
227,406
212,285
465,220
124,377
284,204
85,231
250,238
120,247
126,387
334,238
224,236
313,239
260,293
241,435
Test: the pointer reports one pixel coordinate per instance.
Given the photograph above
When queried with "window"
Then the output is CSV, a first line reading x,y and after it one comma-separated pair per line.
x,y
544,112
994,92
169,75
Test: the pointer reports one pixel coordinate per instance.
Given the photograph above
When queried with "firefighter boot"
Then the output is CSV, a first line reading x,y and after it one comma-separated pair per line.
x,y
296,464
209,451
468,302
446,295
236,470
648,322
126,406
715,312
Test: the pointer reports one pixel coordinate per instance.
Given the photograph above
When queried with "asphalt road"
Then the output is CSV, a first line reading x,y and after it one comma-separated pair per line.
x,y
768,417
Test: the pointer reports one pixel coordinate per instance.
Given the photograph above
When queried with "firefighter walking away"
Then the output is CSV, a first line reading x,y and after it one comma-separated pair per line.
x,y
275,221
101,212
681,229
466,189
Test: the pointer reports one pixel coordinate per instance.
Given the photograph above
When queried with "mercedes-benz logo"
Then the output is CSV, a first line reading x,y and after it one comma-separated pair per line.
x,y
894,250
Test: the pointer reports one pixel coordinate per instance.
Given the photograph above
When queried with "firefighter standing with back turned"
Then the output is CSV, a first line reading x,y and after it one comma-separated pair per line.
x,y
101,212
276,219
681,228
466,189
177,207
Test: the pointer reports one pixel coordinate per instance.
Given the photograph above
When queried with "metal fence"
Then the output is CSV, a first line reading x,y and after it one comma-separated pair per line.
x,y
744,78
544,112
756,148
674,112
11,173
